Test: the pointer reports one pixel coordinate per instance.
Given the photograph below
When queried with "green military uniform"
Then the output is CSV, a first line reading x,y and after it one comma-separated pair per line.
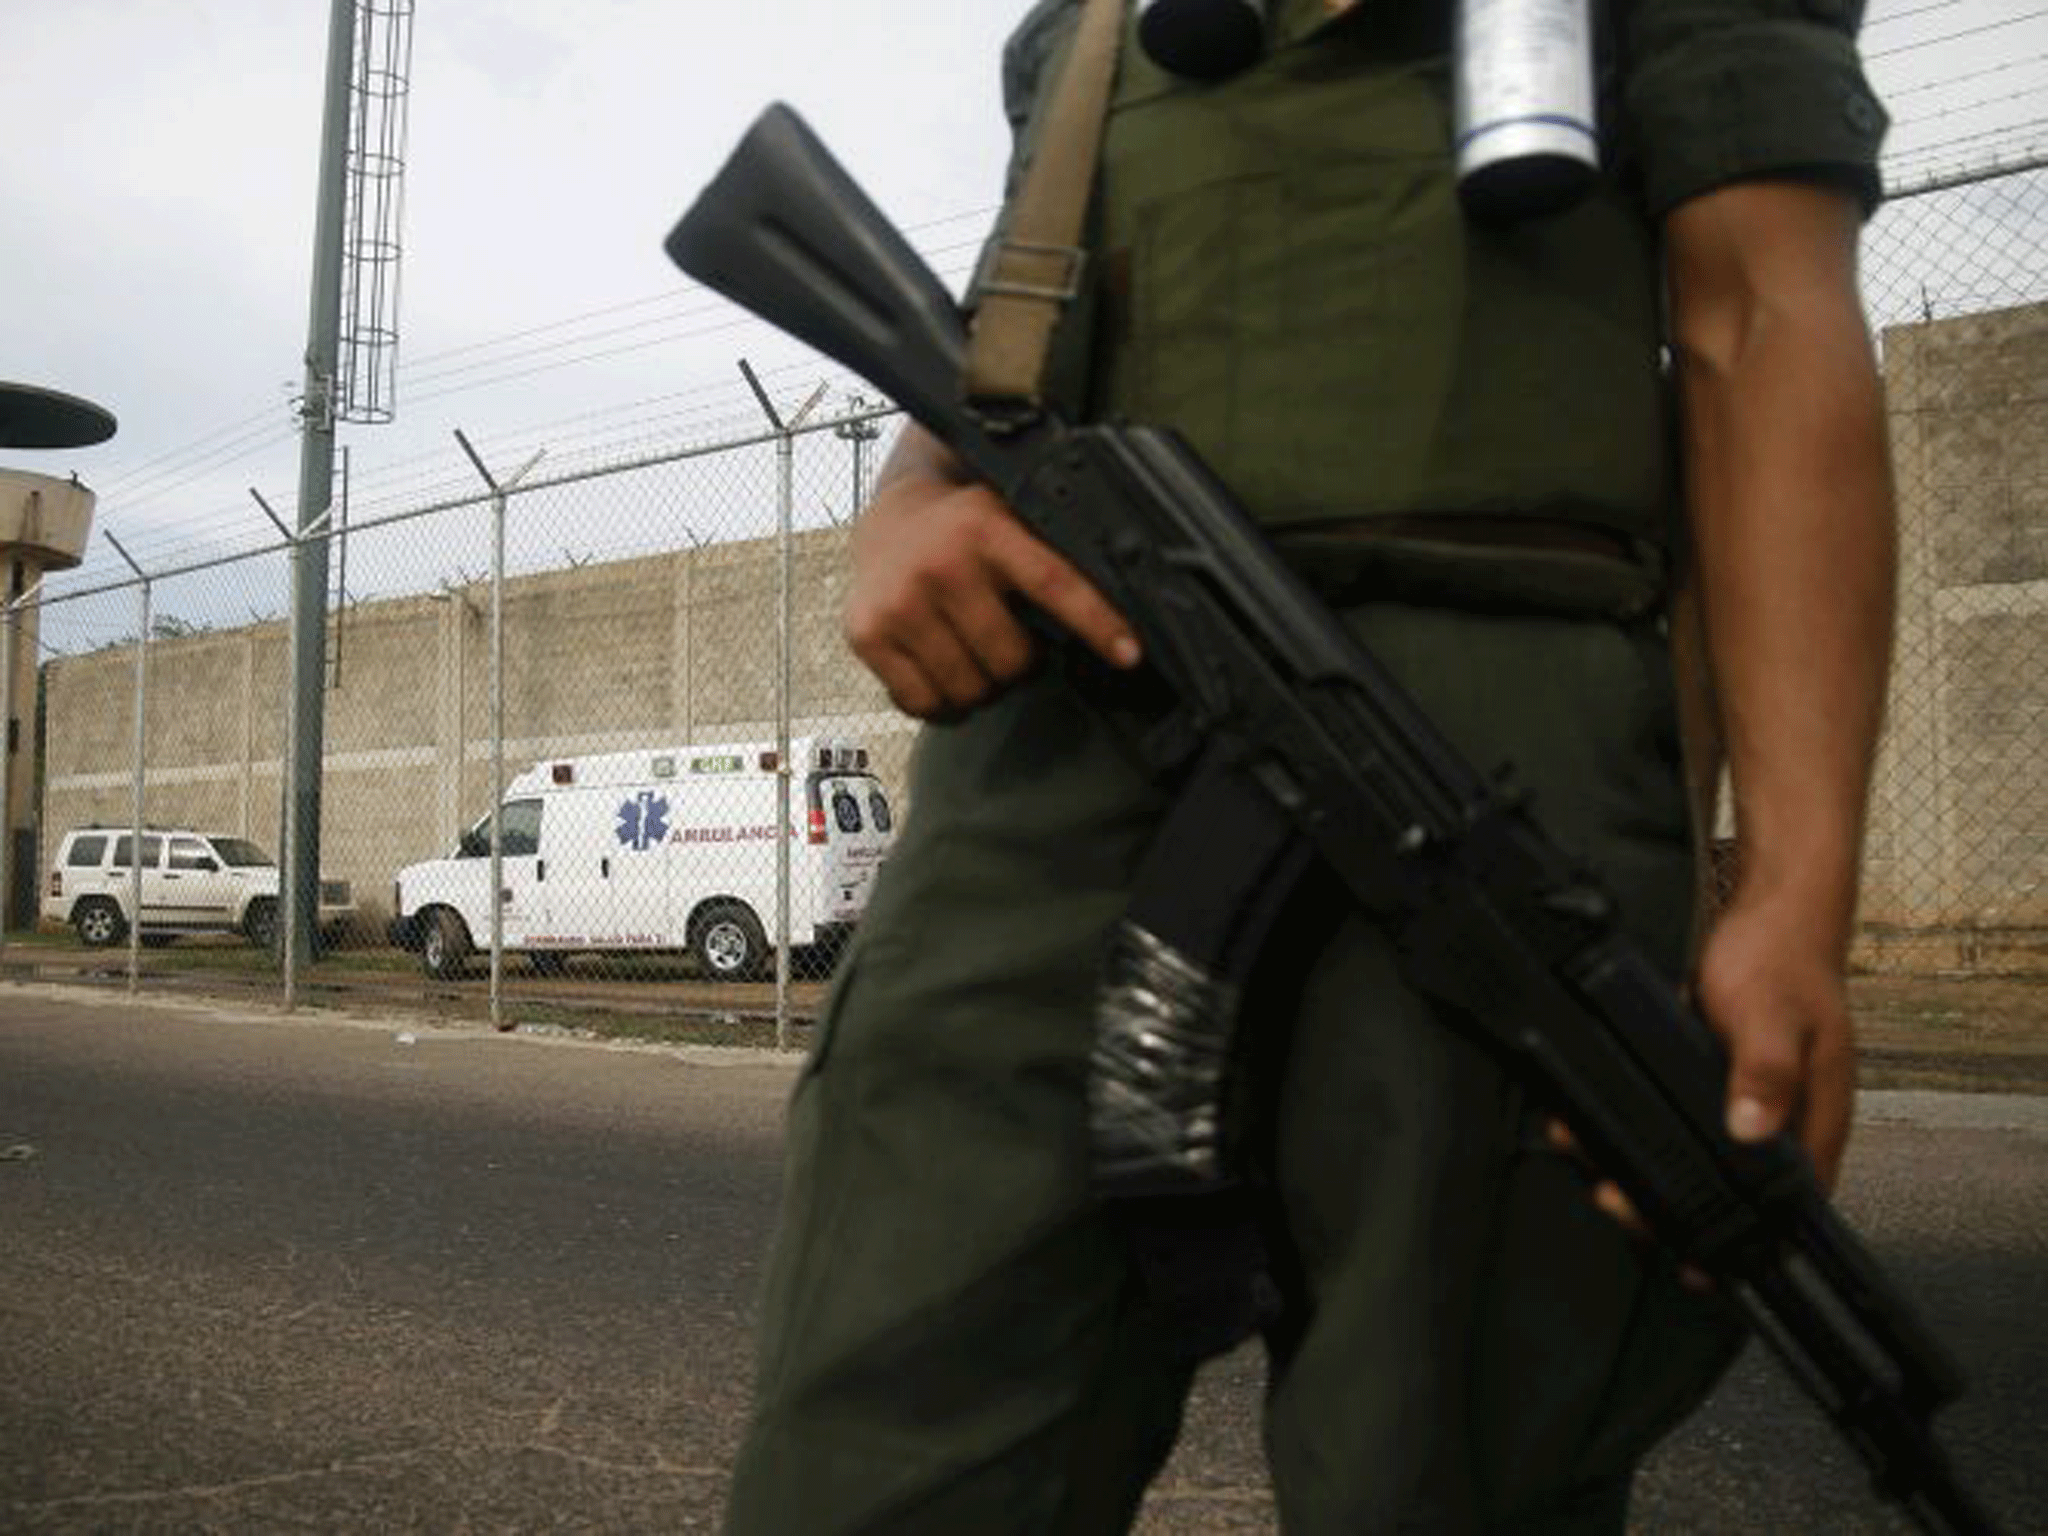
x,y
952,1340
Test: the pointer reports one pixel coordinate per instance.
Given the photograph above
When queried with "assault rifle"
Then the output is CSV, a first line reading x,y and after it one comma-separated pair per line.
x,y
1492,918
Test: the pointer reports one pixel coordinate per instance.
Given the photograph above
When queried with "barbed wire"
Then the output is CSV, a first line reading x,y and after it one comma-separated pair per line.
x,y
1920,44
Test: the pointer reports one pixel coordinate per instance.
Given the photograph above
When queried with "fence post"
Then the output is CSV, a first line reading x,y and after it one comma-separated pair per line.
x,y
785,501
10,619
7,623
141,768
499,492
291,884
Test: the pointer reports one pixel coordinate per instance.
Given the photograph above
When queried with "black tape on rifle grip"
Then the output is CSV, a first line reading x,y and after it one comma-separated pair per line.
x,y
1220,873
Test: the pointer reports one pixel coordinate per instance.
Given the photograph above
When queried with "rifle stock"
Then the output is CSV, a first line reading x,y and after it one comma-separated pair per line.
x,y
784,231
1493,919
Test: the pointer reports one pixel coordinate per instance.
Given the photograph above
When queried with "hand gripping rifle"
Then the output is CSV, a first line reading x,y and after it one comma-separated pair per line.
x,y
1270,705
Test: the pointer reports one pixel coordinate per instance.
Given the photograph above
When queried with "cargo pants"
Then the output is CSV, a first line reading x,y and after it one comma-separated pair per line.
x,y
952,1342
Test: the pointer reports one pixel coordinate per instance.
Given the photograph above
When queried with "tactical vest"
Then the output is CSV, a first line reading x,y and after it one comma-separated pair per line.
x,y
1284,274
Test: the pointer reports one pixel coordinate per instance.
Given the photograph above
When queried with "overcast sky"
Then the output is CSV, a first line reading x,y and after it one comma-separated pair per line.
x,y
159,164
159,225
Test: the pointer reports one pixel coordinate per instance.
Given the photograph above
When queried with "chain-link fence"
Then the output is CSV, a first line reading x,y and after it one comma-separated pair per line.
x,y
698,783
1954,936
643,657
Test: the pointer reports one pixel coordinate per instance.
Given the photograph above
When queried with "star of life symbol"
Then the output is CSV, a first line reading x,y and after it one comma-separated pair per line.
x,y
643,821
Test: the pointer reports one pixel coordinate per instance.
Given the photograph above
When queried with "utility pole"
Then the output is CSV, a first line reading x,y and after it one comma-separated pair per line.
x,y
308,648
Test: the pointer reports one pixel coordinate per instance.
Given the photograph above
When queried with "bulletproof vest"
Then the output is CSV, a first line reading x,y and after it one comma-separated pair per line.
x,y
1284,274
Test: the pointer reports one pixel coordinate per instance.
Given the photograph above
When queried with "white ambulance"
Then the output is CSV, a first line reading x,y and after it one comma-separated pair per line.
x,y
670,848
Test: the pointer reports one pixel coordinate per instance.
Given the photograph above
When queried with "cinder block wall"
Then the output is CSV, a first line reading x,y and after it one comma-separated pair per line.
x,y
1959,835
681,647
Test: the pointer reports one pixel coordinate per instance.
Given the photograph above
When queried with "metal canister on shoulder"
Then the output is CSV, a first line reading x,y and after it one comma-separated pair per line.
x,y
1524,128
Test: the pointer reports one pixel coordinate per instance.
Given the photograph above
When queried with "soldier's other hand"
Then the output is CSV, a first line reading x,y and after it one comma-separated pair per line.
x,y
1771,984
936,566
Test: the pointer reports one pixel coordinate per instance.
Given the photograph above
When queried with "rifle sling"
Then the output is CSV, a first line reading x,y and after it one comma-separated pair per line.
x,y
1033,271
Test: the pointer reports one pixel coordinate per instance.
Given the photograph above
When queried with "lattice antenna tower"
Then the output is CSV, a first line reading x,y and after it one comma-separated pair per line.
x,y
366,363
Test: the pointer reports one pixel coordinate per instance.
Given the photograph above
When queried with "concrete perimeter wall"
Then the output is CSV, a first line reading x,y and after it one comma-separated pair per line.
x,y
1959,838
681,648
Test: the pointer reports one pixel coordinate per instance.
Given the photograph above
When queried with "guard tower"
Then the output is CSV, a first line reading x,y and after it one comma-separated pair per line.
x,y
44,523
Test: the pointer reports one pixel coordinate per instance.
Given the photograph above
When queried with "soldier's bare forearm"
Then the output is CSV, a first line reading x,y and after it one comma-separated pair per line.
x,y
1790,498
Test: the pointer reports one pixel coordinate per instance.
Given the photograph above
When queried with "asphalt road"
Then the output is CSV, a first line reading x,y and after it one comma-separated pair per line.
x,y
319,1274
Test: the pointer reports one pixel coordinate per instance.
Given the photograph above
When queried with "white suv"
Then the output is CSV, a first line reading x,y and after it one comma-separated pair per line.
x,y
192,882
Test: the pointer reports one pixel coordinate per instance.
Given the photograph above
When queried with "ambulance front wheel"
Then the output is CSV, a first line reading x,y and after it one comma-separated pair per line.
x,y
444,945
728,942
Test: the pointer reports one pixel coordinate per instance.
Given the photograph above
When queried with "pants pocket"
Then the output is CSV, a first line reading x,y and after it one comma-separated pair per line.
x,y
837,1000
1593,1349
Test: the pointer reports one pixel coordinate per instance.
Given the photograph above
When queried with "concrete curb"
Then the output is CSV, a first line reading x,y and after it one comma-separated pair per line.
x,y
411,1028
1938,1110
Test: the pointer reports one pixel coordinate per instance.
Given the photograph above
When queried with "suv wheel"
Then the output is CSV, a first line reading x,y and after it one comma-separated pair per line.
x,y
259,923
99,922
